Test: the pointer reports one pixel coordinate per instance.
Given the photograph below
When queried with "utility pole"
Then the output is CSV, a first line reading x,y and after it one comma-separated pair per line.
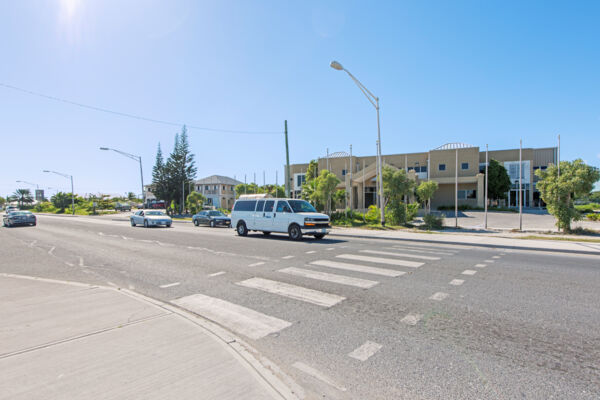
x,y
245,184
486,186
558,156
264,178
351,189
327,159
456,192
287,163
521,185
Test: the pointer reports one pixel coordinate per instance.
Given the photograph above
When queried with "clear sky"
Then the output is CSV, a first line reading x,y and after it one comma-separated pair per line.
x,y
445,71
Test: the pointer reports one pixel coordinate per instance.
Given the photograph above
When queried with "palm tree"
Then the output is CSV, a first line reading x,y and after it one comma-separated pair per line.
x,y
23,196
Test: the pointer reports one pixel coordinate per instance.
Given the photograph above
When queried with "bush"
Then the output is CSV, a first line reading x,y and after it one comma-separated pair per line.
x,y
347,218
593,216
373,215
587,208
45,207
433,221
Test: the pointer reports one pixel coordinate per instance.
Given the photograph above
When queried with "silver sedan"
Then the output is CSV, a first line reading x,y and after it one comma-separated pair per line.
x,y
150,218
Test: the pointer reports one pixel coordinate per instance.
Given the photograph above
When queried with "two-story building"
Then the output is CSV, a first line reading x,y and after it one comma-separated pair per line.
x,y
447,164
218,190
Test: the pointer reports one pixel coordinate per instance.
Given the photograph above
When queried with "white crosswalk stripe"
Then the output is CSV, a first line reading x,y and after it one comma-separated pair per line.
x,y
438,296
381,260
469,272
411,319
292,291
239,319
389,253
358,268
441,253
457,282
324,276
365,351
429,248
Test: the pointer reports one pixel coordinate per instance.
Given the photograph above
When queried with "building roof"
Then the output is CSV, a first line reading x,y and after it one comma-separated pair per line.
x,y
452,146
217,180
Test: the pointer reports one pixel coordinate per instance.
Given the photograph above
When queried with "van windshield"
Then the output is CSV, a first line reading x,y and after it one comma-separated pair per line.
x,y
301,206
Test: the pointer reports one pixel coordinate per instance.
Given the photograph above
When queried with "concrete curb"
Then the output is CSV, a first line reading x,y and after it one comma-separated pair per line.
x,y
463,242
264,371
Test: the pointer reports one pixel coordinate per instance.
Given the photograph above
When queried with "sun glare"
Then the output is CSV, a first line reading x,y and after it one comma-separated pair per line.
x,y
69,7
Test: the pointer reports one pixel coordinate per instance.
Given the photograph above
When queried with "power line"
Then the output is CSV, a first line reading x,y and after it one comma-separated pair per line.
x,y
133,116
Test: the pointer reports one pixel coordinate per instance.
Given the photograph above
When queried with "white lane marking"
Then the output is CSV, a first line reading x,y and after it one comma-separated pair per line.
x,y
124,237
422,248
311,252
51,250
381,260
324,276
364,352
81,261
317,375
442,253
488,261
292,291
358,268
502,254
469,272
330,248
411,319
389,253
168,285
69,264
242,320
287,257
457,282
439,296
496,257
480,265
217,274
256,264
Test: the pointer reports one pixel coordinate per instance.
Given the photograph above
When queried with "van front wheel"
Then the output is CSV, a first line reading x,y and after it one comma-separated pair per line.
x,y
241,229
295,232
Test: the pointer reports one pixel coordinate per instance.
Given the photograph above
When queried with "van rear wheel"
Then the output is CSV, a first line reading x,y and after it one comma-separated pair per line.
x,y
241,229
295,232
319,236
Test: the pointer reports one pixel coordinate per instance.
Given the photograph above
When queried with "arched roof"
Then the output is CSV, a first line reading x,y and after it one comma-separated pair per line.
x,y
455,145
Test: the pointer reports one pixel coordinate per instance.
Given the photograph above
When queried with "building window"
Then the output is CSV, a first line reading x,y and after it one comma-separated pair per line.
x,y
464,165
442,167
343,172
206,187
467,194
420,169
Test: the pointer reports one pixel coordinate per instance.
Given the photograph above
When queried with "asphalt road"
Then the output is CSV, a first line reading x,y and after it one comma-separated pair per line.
x,y
381,318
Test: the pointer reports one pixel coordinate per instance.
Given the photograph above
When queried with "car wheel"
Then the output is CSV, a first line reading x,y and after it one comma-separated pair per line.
x,y
295,232
145,223
168,225
196,222
266,233
34,224
132,222
212,224
319,236
242,230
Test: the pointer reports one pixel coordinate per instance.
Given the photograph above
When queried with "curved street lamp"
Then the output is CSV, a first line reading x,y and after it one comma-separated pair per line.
x,y
136,158
72,191
374,100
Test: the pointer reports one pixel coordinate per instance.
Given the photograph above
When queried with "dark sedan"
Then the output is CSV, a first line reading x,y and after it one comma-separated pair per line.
x,y
211,218
19,218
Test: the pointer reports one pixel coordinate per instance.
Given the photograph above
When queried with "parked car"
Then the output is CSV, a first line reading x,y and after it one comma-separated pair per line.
x,y
15,218
122,206
11,209
150,218
211,218
291,216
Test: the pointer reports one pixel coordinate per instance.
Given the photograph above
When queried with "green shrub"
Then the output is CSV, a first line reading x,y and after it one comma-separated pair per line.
x,y
373,215
587,208
433,221
593,216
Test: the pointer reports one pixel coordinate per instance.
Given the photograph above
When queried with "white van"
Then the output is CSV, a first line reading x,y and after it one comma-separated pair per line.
x,y
292,216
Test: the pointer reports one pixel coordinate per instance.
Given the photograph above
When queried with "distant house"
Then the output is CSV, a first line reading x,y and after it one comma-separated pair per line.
x,y
219,190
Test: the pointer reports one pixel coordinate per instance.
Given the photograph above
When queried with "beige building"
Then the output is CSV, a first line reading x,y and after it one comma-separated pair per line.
x,y
218,190
357,174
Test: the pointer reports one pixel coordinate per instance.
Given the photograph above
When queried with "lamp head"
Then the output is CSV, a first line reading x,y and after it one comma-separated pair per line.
x,y
104,148
46,170
336,65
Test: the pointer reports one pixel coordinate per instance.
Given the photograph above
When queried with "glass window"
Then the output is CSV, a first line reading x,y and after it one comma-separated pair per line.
x,y
464,165
216,214
343,172
269,205
300,179
301,206
245,205
260,205
283,207
442,167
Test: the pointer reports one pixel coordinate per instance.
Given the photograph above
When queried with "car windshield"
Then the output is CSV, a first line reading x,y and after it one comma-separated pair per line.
x,y
21,213
301,206
216,214
154,213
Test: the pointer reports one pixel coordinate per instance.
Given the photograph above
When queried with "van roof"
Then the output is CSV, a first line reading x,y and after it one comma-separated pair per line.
x,y
255,196
270,198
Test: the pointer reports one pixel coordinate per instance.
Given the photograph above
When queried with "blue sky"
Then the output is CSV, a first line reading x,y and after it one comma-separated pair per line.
x,y
462,71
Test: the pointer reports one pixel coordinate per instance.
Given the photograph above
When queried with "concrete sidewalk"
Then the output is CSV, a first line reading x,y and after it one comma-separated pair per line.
x,y
75,341
472,239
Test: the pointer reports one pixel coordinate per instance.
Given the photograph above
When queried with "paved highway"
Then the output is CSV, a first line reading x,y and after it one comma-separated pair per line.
x,y
353,318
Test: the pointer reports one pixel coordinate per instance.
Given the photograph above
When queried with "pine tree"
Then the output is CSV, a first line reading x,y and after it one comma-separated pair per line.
x,y
180,167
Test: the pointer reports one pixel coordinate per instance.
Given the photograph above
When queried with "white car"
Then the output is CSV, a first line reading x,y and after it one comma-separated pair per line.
x,y
150,218
291,216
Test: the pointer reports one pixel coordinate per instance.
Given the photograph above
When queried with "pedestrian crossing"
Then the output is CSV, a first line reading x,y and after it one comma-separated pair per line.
x,y
325,272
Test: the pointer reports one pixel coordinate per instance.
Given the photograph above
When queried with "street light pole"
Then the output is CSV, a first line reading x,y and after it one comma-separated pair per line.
x,y
486,186
136,158
374,100
72,190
